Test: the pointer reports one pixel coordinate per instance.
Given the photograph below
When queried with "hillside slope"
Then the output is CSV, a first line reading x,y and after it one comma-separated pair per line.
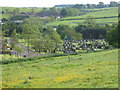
x,y
101,17
90,70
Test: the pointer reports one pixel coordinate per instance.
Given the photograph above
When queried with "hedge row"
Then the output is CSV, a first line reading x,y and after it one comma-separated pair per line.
x,y
8,61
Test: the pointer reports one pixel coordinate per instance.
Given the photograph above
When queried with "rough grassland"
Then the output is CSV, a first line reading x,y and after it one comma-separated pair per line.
x,y
88,70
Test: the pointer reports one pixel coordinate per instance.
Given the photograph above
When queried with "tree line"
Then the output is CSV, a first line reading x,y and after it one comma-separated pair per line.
x,y
48,39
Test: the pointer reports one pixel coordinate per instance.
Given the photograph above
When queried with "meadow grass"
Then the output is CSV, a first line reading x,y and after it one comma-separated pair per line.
x,y
88,70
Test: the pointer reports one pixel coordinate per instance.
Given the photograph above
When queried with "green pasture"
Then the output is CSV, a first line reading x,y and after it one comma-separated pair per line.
x,y
22,9
104,13
88,70
76,22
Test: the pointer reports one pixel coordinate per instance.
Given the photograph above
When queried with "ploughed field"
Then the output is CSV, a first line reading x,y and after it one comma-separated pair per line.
x,y
86,70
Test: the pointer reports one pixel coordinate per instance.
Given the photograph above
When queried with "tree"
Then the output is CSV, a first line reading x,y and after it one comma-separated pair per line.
x,y
64,12
53,12
112,37
8,28
29,33
16,11
90,6
79,6
49,42
13,39
69,12
54,37
96,32
73,12
67,33
113,4
89,21
35,21
32,11
101,5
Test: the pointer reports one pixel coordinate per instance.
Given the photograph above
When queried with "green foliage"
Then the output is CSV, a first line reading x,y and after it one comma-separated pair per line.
x,y
96,32
113,36
13,39
8,61
89,21
49,41
68,33
19,17
16,11
69,12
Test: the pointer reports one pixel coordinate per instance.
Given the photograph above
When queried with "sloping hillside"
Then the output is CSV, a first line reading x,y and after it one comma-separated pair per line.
x,y
90,70
101,17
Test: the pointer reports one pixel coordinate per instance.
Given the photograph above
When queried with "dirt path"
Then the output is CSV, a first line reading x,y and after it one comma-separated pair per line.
x,y
26,52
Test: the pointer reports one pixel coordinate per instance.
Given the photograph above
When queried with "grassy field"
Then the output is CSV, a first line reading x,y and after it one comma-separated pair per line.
x,y
76,22
21,9
88,70
6,56
105,13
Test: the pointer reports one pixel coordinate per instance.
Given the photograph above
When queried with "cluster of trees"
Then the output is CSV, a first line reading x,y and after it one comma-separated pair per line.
x,y
63,12
35,34
113,35
47,39
68,33
99,5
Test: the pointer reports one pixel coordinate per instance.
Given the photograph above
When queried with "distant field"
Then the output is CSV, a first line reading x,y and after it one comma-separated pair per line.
x,y
90,70
106,13
22,9
75,22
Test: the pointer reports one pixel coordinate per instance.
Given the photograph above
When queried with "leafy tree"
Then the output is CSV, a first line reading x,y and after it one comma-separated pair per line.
x,y
64,12
101,5
95,32
90,6
89,21
113,4
53,12
35,21
79,6
4,45
8,28
66,32
13,39
50,41
54,37
29,33
16,11
69,12
112,37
